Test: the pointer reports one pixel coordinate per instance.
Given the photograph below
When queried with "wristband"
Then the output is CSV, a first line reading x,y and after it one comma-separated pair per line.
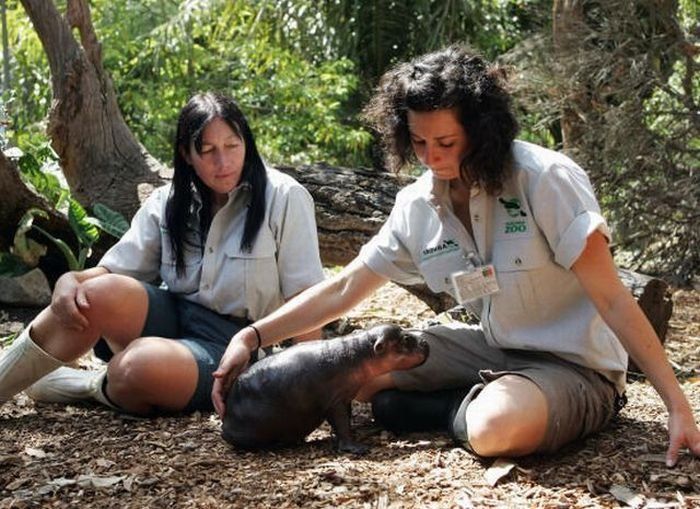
x,y
257,333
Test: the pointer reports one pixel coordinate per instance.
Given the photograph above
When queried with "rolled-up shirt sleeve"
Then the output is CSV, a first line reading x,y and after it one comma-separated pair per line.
x,y
138,252
566,210
294,227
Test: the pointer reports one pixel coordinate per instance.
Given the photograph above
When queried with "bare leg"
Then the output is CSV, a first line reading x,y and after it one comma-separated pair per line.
x,y
152,374
118,308
508,418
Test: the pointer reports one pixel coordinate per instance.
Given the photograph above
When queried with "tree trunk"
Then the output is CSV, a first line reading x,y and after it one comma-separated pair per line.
x,y
567,18
100,157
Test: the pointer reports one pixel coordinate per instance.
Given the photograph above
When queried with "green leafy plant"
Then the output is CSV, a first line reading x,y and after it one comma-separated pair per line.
x,y
86,229
39,168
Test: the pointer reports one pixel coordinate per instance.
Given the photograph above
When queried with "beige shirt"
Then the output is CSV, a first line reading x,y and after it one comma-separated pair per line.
x,y
532,233
284,260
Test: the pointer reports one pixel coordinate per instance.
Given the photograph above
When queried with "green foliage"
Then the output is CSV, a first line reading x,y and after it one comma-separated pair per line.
x,y
109,221
38,165
85,228
63,247
39,169
28,98
167,52
300,69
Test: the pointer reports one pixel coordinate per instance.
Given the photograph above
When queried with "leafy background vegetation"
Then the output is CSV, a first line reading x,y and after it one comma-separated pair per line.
x,y
302,69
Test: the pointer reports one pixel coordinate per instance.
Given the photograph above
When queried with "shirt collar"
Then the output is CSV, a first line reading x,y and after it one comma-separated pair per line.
x,y
439,195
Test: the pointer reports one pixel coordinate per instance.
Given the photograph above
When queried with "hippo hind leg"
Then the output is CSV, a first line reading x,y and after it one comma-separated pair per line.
x,y
339,419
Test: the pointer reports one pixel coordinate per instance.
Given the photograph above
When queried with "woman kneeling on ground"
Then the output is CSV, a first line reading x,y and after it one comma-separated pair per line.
x,y
513,231
230,238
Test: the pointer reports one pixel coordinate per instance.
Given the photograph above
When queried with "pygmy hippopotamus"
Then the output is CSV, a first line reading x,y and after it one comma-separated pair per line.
x,y
284,397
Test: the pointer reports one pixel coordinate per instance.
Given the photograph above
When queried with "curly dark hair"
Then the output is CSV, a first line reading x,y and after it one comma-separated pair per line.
x,y
453,77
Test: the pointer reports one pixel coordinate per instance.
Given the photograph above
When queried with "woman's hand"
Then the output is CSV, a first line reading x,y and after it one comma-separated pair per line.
x,y
68,301
233,362
682,431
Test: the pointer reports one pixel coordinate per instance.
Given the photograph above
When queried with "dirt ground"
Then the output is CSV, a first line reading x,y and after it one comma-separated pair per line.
x,y
85,456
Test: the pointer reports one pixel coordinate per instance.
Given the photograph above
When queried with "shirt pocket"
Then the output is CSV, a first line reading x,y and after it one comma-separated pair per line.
x,y
519,265
188,282
436,271
253,274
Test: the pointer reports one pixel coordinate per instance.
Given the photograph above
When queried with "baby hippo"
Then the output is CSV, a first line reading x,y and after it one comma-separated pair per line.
x,y
284,397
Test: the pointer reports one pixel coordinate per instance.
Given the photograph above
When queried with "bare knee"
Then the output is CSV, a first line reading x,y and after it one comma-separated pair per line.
x,y
510,419
118,307
110,293
142,379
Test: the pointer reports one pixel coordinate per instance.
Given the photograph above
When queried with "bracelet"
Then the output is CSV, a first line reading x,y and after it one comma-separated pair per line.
x,y
257,333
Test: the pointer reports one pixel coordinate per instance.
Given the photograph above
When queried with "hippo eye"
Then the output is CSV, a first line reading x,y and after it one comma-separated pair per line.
x,y
379,347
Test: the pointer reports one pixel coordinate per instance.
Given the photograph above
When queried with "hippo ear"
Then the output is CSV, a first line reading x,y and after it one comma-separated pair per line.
x,y
379,346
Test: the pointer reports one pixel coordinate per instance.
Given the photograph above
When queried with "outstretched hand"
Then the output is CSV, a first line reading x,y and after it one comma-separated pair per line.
x,y
233,362
683,432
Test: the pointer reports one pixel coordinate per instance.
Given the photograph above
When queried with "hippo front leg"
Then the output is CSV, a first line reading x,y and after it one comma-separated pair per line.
x,y
339,419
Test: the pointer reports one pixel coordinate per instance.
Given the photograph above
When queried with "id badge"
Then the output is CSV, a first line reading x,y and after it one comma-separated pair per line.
x,y
474,284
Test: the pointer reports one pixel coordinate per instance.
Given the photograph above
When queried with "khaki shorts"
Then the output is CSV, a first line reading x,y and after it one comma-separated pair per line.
x,y
580,400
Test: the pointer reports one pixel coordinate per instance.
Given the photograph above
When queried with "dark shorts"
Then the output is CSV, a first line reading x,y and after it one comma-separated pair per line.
x,y
580,401
204,332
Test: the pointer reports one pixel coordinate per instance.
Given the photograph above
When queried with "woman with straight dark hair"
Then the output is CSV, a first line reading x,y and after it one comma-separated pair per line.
x,y
512,230
230,239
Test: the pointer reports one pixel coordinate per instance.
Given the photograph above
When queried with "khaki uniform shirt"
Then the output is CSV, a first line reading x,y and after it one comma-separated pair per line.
x,y
532,233
284,260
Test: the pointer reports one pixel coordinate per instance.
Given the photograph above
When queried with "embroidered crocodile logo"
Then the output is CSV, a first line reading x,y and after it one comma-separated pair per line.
x,y
512,207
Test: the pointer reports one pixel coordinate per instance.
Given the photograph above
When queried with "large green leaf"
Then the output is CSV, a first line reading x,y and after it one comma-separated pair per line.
x,y
110,220
82,225
73,263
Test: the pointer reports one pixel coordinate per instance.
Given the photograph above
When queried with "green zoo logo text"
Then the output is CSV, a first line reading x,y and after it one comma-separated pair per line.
x,y
516,227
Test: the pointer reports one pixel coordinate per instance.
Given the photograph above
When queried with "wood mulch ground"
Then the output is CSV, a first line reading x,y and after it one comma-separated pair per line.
x,y
84,456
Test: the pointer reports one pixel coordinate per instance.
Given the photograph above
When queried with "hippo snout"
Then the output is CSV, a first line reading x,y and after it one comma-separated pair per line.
x,y
416,342
410,345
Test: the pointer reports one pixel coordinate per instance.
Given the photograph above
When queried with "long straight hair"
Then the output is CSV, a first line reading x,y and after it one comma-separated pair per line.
x,y
199,111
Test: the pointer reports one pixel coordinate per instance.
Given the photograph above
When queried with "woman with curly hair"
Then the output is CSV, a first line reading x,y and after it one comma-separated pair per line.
x,y
513,231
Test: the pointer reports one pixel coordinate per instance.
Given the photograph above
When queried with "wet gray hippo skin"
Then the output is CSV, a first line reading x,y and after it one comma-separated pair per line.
x,y
284,397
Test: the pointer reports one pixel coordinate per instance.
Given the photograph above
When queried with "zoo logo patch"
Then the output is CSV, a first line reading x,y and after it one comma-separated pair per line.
x,y
513,209
444,247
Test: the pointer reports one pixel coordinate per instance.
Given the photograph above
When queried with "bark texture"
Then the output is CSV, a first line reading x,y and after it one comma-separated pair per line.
x,y
567,18
100,157
17,198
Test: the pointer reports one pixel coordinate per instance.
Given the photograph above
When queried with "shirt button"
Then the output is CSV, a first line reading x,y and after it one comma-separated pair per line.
x,y
476,218
518,261
206,287
211,249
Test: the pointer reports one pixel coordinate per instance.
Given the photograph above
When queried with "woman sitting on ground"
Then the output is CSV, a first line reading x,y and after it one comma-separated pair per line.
x,y
512,230
230,238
